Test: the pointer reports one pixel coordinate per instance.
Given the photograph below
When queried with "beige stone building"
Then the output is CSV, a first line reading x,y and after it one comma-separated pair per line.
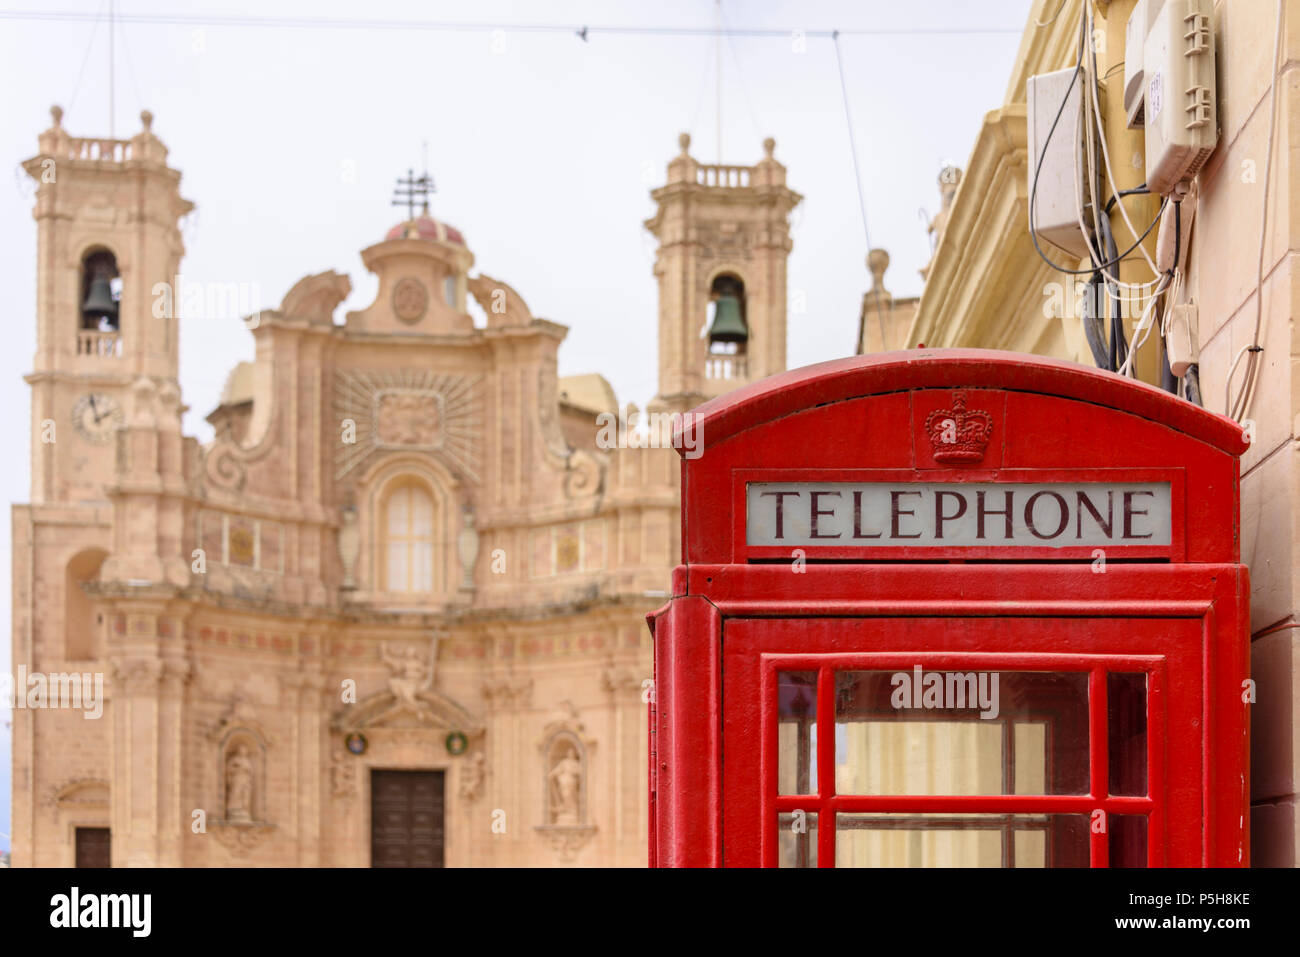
x,y
988,287
393,614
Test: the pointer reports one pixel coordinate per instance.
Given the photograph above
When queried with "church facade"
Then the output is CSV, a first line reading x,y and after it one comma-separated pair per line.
x,y
393,614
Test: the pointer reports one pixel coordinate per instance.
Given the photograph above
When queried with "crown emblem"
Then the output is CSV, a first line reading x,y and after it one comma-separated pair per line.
x,y
959,435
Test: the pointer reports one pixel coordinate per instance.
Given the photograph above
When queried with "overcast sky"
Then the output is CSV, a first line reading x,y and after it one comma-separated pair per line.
x,y
543,148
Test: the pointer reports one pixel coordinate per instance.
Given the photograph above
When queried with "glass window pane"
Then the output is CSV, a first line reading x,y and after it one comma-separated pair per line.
x,y
1128,840
796,841
422,570
1030,740
421,512
397,570
1126,704
796,732
961,732
961,840
399,511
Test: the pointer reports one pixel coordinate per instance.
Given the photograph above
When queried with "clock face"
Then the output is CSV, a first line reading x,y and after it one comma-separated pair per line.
x,y
96,417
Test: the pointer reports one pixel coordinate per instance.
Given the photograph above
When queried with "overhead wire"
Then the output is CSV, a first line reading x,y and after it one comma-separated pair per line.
x,y
583,31
130,64
90,45
740,75
857,176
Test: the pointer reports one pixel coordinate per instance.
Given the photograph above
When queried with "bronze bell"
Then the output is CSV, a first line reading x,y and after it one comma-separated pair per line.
x,y
728,326
99,302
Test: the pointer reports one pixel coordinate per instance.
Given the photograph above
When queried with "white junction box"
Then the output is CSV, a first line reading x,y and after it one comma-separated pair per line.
x,y
1061,178
1135,35
1180,112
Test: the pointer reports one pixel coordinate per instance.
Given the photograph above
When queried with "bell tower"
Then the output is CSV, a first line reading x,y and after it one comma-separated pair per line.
x,y
724,237
108,251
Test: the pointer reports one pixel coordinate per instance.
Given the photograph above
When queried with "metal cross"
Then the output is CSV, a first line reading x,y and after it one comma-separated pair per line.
x,y
413,188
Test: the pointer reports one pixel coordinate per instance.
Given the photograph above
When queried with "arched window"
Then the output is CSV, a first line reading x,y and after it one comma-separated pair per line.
x,y
408,538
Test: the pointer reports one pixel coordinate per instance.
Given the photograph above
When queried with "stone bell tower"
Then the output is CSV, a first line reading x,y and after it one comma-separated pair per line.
x,y
724,237
108,251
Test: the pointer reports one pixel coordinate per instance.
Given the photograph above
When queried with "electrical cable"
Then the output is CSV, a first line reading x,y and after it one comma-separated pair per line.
x,y
1237,409
1192,385
857,175
1105,151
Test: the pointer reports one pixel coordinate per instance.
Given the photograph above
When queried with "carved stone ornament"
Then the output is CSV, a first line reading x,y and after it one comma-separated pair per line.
x,y
473,776
410,300
567,841
349,545
410,702
408,418
584,475
467,548
241,837
407,410
79,794
343,776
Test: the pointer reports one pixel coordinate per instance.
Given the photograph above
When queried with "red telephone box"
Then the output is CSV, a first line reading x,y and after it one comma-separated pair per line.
x,y
953,608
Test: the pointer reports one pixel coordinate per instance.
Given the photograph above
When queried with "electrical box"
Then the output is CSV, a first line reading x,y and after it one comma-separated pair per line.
x,y
1057,161
1180,339
1135,34
1180,97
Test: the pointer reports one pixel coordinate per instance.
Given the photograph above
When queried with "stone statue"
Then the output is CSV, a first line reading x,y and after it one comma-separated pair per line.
x,y
239,785
565,779
410,673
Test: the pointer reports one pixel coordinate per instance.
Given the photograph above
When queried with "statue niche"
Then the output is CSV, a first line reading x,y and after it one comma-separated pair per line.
x,y
565,783
241,778
565,754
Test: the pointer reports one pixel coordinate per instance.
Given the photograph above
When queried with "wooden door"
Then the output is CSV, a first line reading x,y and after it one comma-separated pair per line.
x,y
406,818
94,847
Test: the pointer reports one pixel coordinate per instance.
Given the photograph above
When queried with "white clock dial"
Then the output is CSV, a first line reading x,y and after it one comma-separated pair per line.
x,y
96,417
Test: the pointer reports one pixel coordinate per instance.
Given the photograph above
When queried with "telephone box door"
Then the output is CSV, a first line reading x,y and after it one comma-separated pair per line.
x,y
974,741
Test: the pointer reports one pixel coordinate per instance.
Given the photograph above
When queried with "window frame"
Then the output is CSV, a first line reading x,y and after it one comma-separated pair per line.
x,y
406,483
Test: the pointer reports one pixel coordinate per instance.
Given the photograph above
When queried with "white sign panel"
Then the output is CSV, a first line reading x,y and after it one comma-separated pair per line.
x,y
975,514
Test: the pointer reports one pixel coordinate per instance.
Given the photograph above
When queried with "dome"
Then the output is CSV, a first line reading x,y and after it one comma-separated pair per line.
x,y
426,227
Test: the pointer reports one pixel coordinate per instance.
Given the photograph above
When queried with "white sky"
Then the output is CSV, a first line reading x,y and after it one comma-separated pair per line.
x,y
543,155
